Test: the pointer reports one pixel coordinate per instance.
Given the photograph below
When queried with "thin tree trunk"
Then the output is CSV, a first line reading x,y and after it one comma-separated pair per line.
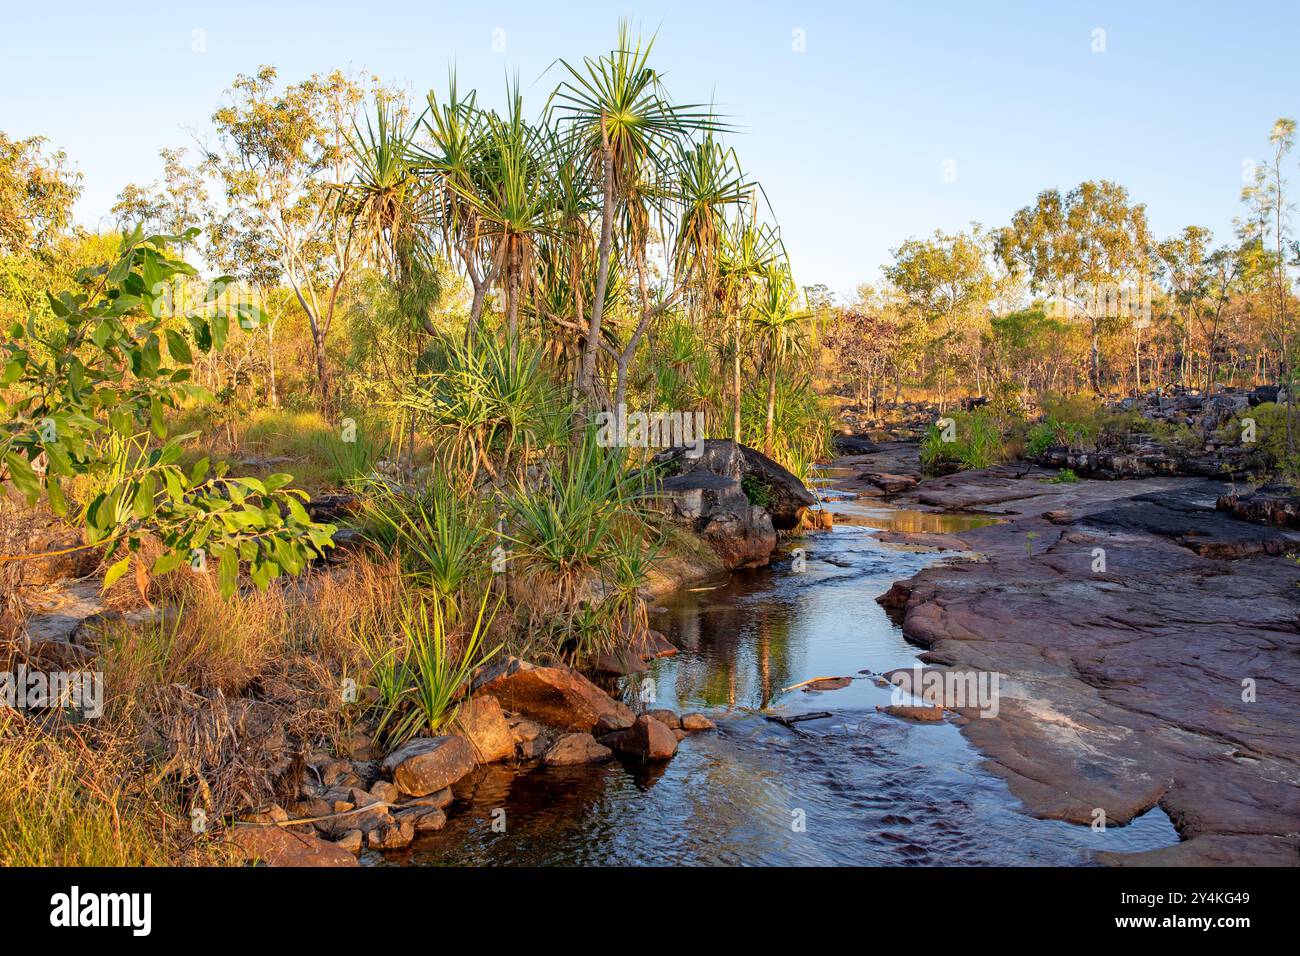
x,y
771,408
587,374
735,379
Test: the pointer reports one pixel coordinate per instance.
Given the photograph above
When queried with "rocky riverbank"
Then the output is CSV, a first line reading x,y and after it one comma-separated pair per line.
x,y
1147,644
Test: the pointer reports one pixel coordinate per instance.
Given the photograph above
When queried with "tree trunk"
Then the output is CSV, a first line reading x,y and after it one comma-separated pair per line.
x,y
735,379
322,371
771,408
587,373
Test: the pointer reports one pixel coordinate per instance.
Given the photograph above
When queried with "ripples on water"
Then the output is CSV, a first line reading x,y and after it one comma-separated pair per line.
x,y
868,789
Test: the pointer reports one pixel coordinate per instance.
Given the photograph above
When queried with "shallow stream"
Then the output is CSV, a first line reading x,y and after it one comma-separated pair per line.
x,y
862,788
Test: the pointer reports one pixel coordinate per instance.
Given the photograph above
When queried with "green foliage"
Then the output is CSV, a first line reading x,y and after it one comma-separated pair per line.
x,y
801,434
583,519
757,491
1065,476
977,442
421,679
1270,443
488,405
442,534
90,401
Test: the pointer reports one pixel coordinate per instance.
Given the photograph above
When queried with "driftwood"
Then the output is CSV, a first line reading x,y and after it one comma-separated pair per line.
x,y
789,722
821,683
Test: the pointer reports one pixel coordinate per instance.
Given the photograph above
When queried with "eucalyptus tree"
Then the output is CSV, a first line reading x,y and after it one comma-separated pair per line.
x,y
1282,139
280,156
618,112
180,201
1202,282
945,281
38,188
1080,247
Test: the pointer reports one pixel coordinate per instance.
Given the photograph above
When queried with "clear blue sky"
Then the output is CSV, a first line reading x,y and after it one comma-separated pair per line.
x,y
849,137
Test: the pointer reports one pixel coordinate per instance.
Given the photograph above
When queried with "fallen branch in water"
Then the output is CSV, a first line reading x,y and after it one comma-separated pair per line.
x,y
789,722
836,680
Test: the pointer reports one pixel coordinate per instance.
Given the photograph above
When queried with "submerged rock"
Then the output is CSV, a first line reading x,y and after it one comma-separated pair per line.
x,y
913,712
647,739
574,749
694,723
666,717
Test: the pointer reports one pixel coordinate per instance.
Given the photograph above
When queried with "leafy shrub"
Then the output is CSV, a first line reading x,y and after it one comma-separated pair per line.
x,y
90,401
977,442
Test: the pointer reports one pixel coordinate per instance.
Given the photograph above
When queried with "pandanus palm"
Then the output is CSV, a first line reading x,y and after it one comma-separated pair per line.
x,y
621,120
455,131
777,320
748,252
384,198
709,182
515,197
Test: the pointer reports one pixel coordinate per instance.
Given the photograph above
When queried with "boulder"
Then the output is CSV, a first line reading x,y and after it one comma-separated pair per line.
x,y
557,696
647,739
385,791
523,730
393,836
483,724
428,764
275,846
693,723
620,660
784,496
423,819
351,840
1273,505
666,717
717,509
573,749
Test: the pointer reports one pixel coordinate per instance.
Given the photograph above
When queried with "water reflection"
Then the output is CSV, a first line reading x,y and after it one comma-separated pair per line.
x,y
869,789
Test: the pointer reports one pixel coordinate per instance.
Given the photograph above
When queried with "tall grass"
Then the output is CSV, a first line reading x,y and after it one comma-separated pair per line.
x,y
69,800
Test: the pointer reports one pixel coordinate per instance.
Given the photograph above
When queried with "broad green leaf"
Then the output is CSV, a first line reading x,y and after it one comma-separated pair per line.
x,y
178,348
116,571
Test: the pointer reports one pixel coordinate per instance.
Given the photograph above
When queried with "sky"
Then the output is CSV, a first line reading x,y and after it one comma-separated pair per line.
x,y
867,123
